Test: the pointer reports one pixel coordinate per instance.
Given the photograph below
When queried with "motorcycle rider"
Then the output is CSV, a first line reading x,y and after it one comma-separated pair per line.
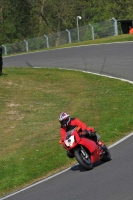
x,y
68,123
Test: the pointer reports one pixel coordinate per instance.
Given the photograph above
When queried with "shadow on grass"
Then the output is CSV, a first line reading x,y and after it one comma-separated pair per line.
x,y
3,74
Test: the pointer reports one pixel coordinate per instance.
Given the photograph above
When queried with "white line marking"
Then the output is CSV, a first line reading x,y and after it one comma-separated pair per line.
x,y
46,179
50,177
121,140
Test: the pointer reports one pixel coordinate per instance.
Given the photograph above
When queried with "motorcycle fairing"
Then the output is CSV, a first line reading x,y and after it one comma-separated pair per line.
x,y
70,141
89,144
92,147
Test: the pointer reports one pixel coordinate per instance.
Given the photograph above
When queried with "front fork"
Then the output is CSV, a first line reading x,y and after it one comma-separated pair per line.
x,y
85,154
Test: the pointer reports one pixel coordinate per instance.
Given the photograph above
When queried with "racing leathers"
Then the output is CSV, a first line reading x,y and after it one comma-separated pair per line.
x,y
85,131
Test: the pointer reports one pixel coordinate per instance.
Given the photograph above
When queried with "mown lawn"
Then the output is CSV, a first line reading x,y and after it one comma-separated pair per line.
x,y
30,102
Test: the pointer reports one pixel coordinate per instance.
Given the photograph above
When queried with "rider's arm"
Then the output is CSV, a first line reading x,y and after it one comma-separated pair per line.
x,y
83,126
62,133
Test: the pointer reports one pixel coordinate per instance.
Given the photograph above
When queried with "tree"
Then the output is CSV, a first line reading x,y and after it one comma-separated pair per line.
x,y
32,18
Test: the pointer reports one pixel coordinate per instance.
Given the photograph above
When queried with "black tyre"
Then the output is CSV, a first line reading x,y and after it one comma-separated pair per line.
x,y
106,156
83,158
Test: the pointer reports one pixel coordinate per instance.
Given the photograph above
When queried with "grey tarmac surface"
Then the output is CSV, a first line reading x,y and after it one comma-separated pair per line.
x,y
107,181
115,59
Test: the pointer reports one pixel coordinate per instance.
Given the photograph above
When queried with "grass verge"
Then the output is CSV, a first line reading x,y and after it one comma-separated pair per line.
x,y
32,99
111,39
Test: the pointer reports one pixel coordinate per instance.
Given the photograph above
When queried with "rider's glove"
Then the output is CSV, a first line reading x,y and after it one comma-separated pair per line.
x,y
84,133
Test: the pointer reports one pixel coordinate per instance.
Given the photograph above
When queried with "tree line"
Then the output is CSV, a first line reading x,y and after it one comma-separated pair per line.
x,y
33,18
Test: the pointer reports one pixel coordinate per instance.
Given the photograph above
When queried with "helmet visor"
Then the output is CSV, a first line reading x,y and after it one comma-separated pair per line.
x,y
64,121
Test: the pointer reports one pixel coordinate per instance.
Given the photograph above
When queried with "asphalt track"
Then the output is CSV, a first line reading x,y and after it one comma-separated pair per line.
x,y
109,181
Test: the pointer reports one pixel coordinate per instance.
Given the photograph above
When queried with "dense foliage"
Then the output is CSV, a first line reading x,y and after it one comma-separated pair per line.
x,y
32,18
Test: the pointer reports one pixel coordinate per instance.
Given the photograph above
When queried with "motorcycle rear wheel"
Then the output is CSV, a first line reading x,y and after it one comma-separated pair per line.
x,y
84,161
107,156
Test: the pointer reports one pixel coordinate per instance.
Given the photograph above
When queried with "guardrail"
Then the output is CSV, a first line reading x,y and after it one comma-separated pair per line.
x,y
90,32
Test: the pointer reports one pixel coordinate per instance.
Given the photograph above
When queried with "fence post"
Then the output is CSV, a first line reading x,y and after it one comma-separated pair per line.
x,y
69,36
92,30
47,42
26,45
78,17
4,49
115,26
1,61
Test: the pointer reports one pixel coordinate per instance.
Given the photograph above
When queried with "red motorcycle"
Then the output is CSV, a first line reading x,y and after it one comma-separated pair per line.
x,y
85,150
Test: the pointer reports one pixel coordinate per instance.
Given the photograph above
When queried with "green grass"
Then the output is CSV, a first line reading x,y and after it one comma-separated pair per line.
x,y
119,38
30,102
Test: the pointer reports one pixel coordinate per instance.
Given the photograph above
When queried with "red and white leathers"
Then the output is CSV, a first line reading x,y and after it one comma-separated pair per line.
x,y
72,124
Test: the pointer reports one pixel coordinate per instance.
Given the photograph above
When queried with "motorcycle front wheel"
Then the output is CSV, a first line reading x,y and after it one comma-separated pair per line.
x,y
83,158
106,156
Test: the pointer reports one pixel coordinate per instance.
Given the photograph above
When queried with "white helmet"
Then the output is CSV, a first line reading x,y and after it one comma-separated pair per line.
x,y
64,119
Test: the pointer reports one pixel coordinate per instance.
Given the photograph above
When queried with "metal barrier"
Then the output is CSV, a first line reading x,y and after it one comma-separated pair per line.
x,y
85,33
